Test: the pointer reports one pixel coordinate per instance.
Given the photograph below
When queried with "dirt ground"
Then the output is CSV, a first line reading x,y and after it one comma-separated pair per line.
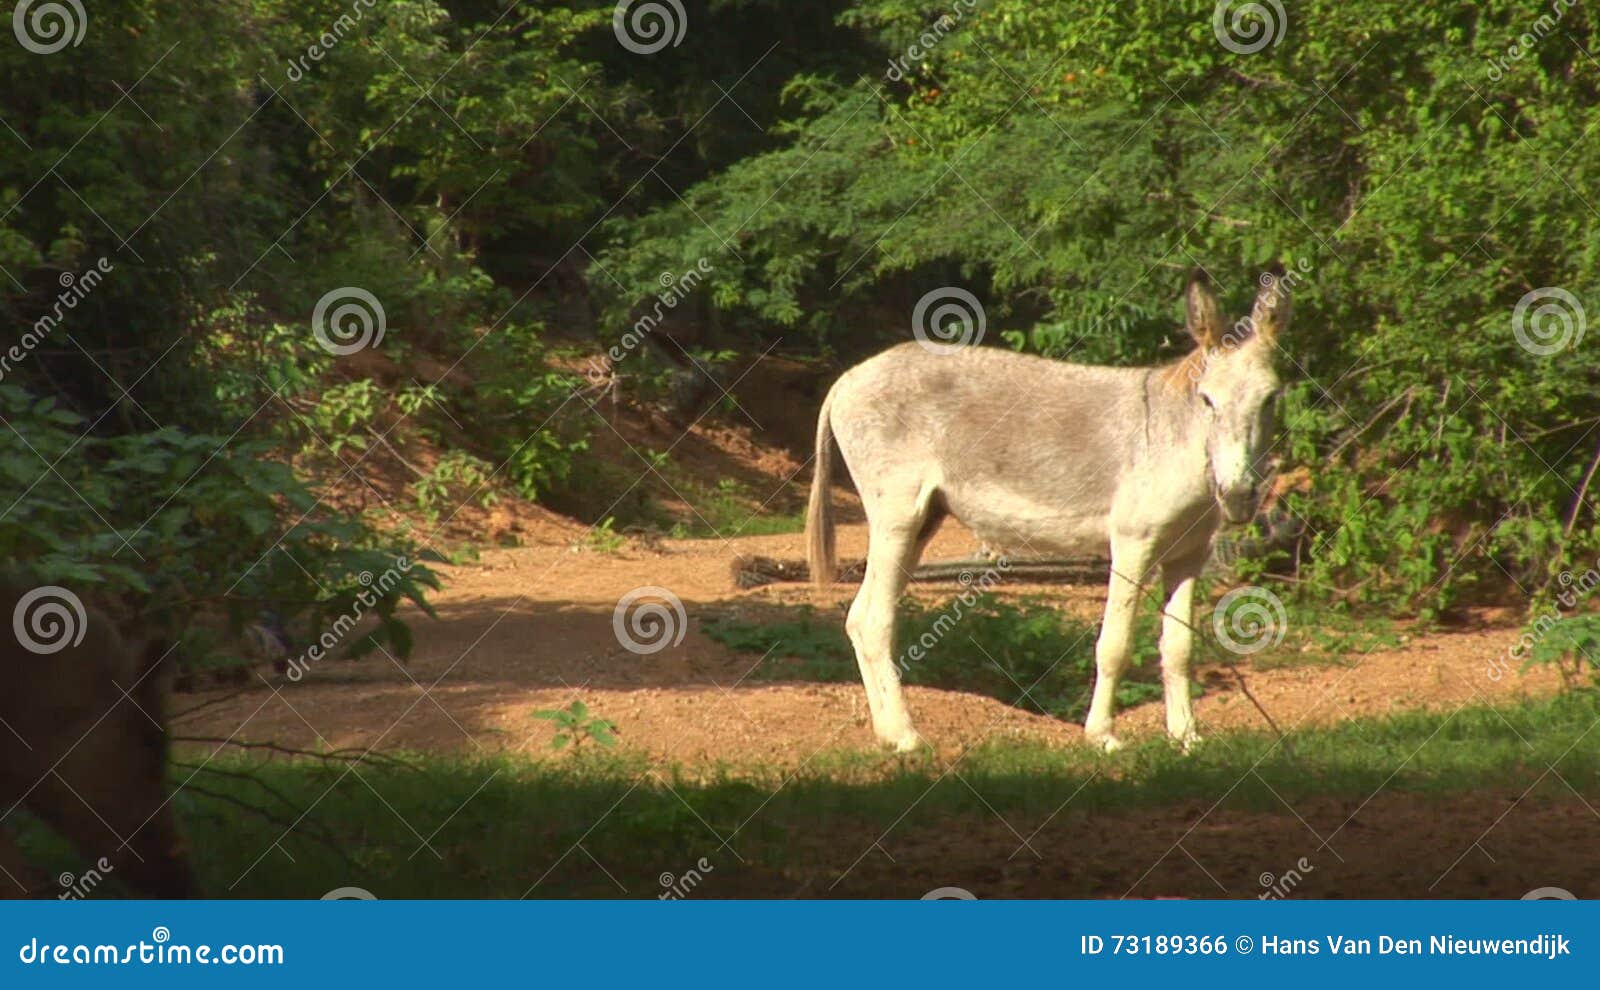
x,y
532,628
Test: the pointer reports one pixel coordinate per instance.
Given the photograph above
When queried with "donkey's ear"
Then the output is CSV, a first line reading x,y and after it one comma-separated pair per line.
x,y
1205,316
1270,314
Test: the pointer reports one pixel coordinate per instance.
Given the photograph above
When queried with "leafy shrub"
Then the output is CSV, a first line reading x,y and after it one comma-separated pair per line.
x,y
173,525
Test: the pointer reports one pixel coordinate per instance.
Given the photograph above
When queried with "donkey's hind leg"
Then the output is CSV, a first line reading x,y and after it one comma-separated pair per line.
x,y
894,545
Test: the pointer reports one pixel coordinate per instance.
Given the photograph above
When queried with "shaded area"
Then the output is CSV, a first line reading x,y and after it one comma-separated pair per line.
x,y
1485,803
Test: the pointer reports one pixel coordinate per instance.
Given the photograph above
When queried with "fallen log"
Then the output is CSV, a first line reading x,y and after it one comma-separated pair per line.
x,y
756,571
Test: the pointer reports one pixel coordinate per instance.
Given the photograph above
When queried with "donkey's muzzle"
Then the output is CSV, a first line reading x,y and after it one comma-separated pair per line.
x,y
1239,505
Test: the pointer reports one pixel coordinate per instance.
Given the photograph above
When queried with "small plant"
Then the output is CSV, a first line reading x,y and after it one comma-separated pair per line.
x,y
1571,645
455,471
603,538
574,724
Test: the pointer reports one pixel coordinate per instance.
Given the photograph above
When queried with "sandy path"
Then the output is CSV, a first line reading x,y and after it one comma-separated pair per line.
x,y
531,628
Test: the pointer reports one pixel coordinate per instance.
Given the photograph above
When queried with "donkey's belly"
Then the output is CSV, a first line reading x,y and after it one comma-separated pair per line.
x,y
1013,523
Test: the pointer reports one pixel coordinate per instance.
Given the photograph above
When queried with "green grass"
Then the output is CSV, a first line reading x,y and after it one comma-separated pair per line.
x,y
505,827
730,509
1024,652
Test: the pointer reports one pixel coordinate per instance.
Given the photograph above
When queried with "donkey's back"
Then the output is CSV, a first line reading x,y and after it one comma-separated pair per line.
x,y
1025,451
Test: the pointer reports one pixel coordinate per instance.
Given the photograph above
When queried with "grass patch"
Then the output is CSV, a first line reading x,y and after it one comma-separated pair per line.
x,y
509,827
1024,652
729,508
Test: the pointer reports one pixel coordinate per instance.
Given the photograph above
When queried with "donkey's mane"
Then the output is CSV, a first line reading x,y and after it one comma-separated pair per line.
x,y
1184,373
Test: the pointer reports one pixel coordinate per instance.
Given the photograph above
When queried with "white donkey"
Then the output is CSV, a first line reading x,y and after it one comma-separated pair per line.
x,y
1047,456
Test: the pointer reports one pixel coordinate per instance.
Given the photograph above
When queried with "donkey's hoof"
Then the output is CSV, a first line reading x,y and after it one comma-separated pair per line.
x,y
1189,741
1106,743
907,741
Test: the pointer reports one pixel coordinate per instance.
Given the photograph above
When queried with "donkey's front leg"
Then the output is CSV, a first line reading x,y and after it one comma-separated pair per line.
x,y
1112,649
1177,643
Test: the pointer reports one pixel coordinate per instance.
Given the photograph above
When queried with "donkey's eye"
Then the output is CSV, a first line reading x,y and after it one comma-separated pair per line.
x,y
1209,401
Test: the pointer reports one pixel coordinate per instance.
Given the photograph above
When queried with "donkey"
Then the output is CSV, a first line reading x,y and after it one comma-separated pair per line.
x,y
1052,457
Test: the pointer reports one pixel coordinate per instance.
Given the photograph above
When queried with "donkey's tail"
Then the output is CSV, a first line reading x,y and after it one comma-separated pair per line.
x,y
819,514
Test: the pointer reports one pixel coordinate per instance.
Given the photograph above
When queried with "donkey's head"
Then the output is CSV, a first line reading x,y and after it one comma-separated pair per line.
x,y
1234,386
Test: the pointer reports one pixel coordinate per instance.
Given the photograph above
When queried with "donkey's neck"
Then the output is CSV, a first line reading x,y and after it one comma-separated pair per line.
x,y
1175,426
